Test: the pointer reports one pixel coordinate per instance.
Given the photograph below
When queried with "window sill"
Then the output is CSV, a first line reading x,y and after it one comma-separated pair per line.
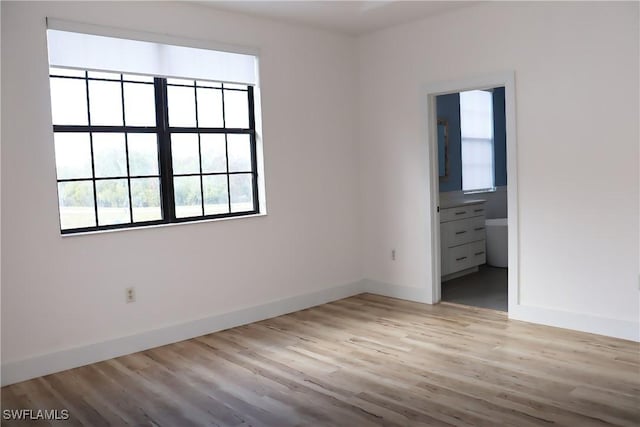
x,y
172,224
486,190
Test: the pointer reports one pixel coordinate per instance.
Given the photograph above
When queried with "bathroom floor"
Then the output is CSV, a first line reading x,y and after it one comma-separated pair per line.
x,y
487,288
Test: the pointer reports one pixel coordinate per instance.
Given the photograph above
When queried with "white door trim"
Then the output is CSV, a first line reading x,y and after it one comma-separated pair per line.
x,y
506,79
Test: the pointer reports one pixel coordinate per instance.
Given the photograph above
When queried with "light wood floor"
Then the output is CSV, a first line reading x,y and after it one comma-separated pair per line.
x,y
364,360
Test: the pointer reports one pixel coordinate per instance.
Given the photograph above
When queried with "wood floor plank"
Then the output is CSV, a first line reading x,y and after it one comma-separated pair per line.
x,y
361,361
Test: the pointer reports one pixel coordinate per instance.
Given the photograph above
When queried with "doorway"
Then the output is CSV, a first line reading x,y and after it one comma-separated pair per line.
x,y
473,191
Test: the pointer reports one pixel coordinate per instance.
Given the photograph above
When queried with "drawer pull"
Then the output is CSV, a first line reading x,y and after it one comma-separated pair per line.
x,y
461,232
478,210
479,253
461,213
478,229
461,258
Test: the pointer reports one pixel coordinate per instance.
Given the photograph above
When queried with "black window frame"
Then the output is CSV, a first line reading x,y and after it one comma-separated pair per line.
x,y
163,132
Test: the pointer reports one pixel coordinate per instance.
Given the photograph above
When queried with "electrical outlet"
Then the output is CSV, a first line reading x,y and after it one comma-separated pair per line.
x,y
130,294
393,254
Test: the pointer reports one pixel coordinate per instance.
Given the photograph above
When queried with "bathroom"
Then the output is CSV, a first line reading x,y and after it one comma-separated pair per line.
x,y
473,197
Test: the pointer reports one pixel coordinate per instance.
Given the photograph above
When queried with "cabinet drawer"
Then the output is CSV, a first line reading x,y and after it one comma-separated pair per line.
x,y
459,258
453,214
456,233
478,230
478,252
462,212
465,256
459,232
444,253
477,210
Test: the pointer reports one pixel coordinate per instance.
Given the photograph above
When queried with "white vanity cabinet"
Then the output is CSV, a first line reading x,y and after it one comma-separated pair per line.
x,y
462,237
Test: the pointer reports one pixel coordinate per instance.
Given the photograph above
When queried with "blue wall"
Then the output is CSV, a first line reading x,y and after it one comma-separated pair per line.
x,y
499,137
448,108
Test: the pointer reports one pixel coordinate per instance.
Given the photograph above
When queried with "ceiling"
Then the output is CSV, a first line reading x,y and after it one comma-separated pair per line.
x,y
349,17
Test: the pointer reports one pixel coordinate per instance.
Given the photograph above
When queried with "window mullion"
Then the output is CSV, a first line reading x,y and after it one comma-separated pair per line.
x,y
164,150
252,139
126,149
93,166
195,94
226,150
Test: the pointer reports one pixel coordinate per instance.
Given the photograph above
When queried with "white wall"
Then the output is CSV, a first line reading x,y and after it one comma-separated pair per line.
x,y
576,70
59,293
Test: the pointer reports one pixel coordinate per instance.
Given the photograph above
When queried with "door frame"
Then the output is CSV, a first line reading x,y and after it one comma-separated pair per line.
x,y
506,79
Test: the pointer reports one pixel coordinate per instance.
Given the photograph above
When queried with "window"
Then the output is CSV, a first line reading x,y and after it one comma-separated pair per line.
x,y
476,128
135,150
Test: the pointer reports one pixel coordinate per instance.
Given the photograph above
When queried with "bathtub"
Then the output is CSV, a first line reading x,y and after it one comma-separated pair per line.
x,y
497,237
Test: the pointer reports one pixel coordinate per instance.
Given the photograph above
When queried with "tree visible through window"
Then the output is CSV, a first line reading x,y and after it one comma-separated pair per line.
x,y
476,128
141,150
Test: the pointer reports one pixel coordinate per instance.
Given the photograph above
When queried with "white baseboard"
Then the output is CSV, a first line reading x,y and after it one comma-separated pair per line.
x,y
400,292
616,328
624,329
22,370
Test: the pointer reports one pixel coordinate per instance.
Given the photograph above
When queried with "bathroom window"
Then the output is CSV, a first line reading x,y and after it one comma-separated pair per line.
x,y
476,129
